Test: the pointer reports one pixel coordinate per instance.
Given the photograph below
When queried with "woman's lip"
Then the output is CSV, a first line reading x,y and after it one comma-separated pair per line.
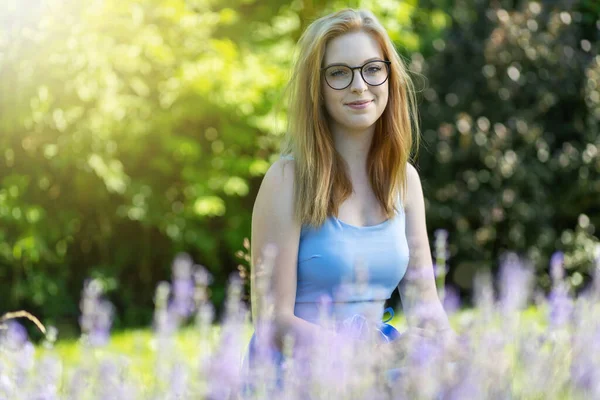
x,y
359,106
356,103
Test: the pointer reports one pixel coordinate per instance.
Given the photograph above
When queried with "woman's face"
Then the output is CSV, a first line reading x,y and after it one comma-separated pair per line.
x,y
354,49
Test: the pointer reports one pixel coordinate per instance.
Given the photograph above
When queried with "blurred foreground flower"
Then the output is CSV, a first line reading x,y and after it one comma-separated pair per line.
x,y
500,352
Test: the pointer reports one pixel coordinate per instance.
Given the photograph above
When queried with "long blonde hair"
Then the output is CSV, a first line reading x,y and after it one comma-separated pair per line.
x,y
321,180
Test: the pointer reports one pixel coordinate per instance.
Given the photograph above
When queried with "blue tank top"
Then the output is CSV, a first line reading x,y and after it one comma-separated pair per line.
x,y
355,268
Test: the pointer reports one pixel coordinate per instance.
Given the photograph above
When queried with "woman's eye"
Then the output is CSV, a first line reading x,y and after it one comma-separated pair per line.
x,y
338,72
373,70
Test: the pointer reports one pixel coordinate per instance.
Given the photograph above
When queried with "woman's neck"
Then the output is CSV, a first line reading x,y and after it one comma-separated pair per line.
x,y
354,149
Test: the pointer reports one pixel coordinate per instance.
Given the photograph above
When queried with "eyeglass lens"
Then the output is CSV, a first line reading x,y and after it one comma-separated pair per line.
x,y
340,76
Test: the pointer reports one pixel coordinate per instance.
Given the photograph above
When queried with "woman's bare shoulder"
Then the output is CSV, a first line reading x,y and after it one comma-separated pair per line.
x,y
283,168
280,176
413,186
276,193
411,172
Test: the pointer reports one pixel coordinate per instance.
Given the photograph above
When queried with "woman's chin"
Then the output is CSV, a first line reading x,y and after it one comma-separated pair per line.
x,y
360,124
354,123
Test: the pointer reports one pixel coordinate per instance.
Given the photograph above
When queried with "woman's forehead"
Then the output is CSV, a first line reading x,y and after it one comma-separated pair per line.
x,y
352,48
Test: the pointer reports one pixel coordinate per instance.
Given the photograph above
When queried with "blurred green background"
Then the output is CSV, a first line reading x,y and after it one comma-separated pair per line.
x,y
133,130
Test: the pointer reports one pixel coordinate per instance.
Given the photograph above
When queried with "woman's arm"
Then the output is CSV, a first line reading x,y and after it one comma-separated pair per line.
x,y
420,301
274,223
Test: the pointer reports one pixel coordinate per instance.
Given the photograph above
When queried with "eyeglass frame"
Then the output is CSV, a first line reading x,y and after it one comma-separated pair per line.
x,y
386,62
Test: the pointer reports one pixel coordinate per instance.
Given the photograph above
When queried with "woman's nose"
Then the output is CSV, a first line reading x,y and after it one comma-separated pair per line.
x,y
358,84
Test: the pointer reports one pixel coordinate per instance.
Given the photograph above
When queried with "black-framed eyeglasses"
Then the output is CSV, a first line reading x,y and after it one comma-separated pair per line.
x,y
340,76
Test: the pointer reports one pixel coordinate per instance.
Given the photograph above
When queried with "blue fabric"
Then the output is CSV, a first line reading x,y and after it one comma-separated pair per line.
x,y
388,332
351,270
355,268
336,255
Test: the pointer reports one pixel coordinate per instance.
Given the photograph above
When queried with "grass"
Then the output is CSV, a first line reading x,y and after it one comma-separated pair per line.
x,y
135,349
135,355
138,347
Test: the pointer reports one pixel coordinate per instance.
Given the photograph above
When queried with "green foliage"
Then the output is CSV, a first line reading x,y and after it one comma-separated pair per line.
x,y
135,130
128,134
510,119
132,130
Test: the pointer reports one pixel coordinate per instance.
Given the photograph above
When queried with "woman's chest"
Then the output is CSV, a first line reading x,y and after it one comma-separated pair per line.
x,y
337,253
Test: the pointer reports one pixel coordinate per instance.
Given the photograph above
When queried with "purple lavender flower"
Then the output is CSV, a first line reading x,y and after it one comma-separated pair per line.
x,y
178,385
515,283
596,273
441,254
561,305
182,303
224,372
165,323
336,366
96,314
48,374
557,271
451,300
182,287
14,337
100,333
357,327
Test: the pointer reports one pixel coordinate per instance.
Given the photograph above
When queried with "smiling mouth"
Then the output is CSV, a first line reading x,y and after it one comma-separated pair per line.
x,y
358,103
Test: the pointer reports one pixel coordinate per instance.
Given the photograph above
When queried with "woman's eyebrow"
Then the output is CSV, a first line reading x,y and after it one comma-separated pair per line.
x,y
364,62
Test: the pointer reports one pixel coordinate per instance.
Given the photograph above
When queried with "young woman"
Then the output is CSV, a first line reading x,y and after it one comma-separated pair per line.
x,y
344,201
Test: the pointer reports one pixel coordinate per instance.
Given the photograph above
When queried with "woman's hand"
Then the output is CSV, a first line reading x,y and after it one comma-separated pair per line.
x,y
412,339
394,352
